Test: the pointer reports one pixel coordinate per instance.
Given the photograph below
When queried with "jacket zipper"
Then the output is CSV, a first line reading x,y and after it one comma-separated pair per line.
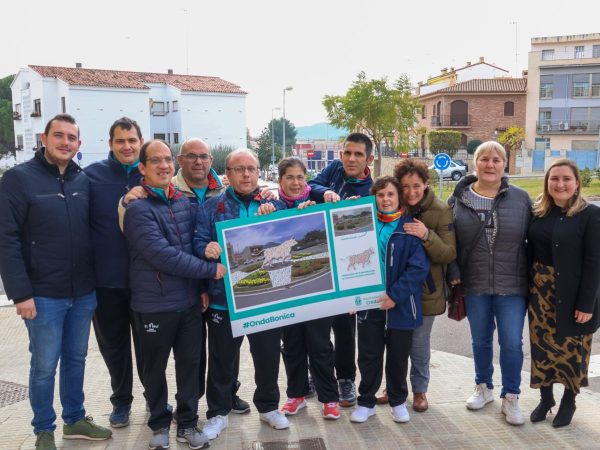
x,y
62,195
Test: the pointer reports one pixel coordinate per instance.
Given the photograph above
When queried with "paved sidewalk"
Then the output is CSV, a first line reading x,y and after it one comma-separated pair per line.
x,y
447,423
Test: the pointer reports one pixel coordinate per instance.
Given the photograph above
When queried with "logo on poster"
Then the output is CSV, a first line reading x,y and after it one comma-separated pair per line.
x,y
358,300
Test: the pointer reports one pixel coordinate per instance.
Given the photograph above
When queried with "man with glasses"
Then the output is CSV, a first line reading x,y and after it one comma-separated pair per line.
x,y
241,199
165,281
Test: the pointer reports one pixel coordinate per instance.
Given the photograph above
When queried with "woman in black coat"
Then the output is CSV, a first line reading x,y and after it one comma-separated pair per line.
x,y
563,308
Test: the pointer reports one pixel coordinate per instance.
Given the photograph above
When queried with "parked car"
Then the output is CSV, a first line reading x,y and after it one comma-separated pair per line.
x,y
461,162
455,171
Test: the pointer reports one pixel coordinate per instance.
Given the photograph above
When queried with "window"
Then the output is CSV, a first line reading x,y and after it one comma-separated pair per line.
x,y
168,138
19,141
175,137
545,120
423,112
38,141
542,143
63,104
579,51
159,136
18,108
37,108
595,85
581,89
175,105
547,55
158,108
509,109
596,51
167,106
546,90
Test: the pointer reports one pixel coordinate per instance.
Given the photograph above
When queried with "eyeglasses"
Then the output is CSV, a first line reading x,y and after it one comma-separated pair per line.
x,y
156,160
241,169
193,157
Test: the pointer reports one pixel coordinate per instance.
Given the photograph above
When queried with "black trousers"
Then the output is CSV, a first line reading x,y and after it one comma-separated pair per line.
x,y
224,357
344,332
204,360
113,325
373,340
159,333
304,341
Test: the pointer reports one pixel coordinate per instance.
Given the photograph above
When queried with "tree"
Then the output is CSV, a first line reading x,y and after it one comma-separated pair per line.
x,y
512,137
7,136
472,146
444,141
381,111
265,140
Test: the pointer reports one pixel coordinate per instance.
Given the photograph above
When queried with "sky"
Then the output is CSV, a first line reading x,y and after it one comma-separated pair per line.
x,y
316,47
278,231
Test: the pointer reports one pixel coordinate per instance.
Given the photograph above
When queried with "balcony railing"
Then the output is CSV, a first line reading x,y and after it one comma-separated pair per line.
x,y
568,127
453,120
569,54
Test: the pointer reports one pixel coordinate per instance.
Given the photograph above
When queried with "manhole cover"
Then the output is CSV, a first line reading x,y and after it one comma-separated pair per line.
x,y
302,444
12,393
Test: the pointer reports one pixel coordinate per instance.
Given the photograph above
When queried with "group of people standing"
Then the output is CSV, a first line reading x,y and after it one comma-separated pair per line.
x,y
132,244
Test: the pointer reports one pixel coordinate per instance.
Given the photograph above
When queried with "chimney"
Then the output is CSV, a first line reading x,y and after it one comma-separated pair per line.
x,y
444,70
481,59
170,71
524,73
468,63
78,65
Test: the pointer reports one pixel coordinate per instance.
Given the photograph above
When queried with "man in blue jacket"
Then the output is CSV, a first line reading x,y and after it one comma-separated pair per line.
x,y
347,177
46,268
241,199
109,180
165,280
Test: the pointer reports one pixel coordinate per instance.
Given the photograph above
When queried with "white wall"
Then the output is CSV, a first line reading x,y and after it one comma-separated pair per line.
x,y
219,119
95,110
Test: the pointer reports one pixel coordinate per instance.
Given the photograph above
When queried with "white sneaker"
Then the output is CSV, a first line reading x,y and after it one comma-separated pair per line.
x,y
400,413
214,426
361,414
511,409
276,419
481,396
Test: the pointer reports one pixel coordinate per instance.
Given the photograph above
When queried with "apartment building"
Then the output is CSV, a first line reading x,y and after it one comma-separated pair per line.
x,y
563,100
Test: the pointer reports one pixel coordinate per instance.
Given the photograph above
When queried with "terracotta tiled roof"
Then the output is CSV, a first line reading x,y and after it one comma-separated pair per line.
x,y
136,80
485,85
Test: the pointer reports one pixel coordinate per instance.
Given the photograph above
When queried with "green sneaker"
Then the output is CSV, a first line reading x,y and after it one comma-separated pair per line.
x,y
86,429
45,441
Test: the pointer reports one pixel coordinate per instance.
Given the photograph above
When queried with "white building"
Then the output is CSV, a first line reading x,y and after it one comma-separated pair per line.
x,y
452,76
167,106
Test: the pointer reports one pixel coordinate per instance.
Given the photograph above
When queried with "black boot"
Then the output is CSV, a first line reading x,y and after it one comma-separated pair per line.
x,y
546,403
565,410
238,405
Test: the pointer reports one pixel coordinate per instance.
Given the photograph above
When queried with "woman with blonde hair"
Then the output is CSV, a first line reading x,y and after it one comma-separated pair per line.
x,y
491,219
564,290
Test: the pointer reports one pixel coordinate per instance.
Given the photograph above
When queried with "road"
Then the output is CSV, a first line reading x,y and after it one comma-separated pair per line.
x,y
320,283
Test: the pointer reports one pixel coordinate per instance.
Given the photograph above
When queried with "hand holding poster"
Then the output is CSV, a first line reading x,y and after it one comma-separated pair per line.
x,y
297,265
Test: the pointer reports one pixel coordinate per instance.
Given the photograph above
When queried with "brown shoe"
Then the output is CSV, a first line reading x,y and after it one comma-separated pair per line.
x,y
383,399
420,402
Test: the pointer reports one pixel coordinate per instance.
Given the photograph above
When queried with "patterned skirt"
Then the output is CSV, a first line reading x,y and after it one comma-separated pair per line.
x,y
554,359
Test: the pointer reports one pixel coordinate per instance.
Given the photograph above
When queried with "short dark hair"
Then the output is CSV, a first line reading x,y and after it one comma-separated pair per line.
x,y
125,123
144,149
288,163
61,118
361,138
382,183
411,166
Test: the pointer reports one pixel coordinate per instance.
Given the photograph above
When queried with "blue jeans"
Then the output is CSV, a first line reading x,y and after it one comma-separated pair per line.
x,y
60,330
507,312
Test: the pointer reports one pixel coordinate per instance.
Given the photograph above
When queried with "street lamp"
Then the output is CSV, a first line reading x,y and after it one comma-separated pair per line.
x,y
289,88
273,142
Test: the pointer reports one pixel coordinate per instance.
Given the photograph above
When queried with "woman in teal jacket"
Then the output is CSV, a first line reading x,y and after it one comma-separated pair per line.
x,y
390,327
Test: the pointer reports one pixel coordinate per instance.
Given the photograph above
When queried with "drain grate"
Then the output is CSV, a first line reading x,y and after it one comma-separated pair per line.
x,y
12,393
302,444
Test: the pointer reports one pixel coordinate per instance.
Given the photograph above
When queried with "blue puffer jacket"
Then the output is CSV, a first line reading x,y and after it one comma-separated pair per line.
x,y
406,268
225,206
164,276
109,182
333,178
45,245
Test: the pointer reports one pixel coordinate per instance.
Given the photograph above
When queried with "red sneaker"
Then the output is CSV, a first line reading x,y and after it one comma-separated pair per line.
x,y
331,410
293,405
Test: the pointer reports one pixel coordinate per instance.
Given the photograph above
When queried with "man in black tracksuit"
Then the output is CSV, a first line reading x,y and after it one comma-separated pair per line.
x,y
347,177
